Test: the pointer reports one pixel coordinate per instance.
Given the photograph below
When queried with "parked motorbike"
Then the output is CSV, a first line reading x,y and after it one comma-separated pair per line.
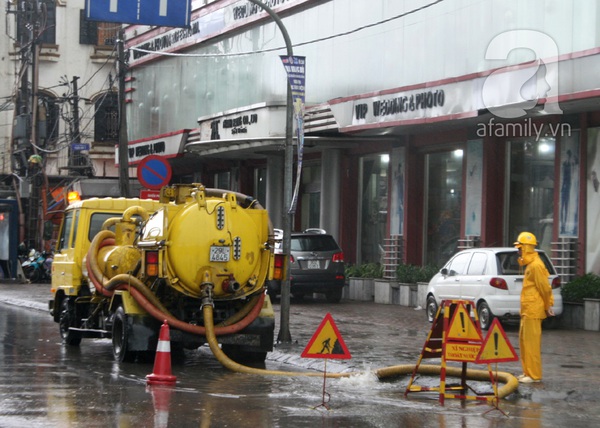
x,y
38,266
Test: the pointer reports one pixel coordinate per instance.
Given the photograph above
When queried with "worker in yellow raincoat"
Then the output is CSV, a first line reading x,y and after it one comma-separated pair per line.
x,y
536,304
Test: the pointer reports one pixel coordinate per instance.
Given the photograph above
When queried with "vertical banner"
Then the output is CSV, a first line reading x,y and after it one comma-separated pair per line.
x,y
569,186
295,69
398,171
592,250
474,188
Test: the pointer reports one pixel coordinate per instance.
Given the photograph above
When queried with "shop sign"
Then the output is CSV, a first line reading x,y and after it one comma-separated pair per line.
x,y
207,22
398,107
166,145
258,122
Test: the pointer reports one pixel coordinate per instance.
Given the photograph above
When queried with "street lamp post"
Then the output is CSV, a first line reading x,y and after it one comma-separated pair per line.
x,y
123,155
284,328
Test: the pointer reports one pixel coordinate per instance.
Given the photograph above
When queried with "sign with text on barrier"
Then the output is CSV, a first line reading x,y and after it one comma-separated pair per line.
x,y
455,336
463,338
166,13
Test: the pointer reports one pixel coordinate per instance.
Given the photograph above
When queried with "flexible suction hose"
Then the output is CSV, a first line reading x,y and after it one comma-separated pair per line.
x,y
510,382
228,363
148,300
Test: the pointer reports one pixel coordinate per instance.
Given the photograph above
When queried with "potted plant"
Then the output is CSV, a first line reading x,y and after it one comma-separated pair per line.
x,y
425,274
361,280
412,281
581,302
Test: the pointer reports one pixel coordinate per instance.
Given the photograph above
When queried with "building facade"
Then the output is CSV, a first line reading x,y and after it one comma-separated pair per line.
x,y
431,125
428,125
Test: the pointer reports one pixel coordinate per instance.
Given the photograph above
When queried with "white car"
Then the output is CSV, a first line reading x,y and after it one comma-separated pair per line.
x,y
489,277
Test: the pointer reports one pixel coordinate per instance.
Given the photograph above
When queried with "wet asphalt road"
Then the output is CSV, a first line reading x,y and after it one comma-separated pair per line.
x,y
384,335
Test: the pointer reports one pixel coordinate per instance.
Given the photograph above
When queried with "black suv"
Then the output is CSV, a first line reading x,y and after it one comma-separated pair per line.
x,y
316,266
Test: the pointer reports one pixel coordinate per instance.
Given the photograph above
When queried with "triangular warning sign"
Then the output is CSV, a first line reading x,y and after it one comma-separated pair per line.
x,y
462,326
496,347
326,342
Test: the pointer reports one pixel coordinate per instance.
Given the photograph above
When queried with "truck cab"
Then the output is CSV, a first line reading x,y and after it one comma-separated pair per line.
x,y
82,221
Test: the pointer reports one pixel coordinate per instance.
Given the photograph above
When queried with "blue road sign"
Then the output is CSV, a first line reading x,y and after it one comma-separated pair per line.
x,y
154,172
167,13
80,146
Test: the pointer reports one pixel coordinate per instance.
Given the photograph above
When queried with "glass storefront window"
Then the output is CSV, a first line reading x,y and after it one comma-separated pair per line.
x,y
444,199
222,180
531,190
260,185
373,211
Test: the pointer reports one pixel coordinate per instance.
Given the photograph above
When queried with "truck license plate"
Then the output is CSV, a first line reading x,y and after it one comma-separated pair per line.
x,y
313,264
219,254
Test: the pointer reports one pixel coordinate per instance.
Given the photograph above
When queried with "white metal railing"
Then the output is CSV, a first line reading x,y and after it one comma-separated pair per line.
x,y
393,249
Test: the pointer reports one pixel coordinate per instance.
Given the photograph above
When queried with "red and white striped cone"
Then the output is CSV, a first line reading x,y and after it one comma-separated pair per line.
x,y
161,375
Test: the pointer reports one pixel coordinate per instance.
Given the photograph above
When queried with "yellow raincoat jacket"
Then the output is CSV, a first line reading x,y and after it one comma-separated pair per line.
x,y
536,295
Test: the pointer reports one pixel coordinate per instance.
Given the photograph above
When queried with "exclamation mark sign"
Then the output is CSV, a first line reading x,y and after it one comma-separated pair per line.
x,y
496,342
462,321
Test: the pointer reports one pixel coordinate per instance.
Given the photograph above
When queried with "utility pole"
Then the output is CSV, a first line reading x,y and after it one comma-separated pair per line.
x,y
35,168
75,138
123,143
288,216
78,162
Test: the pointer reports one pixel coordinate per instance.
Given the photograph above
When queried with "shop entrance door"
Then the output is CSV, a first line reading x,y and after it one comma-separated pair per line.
x,y
443,189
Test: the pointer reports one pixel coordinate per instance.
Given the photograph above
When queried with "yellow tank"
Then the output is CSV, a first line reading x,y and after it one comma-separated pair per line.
x,y
213,237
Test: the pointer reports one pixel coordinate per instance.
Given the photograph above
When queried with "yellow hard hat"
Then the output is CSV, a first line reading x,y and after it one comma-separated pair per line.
x,y
525,238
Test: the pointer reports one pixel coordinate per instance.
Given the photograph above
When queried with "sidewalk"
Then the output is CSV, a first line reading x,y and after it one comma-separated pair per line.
x,y
378,335
32,296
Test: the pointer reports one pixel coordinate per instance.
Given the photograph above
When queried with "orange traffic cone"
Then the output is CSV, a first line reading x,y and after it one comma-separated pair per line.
x,y
161,374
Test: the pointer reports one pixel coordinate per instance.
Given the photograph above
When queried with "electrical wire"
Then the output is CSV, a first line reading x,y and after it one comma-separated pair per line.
x,y
309,42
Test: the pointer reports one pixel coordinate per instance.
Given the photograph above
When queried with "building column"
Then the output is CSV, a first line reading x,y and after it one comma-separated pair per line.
x,y
329,218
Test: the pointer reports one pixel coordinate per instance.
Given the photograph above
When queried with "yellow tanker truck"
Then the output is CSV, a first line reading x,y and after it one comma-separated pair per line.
x,y
156,261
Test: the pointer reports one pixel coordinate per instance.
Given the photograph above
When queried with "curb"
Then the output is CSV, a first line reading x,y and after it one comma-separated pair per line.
x,y
25,304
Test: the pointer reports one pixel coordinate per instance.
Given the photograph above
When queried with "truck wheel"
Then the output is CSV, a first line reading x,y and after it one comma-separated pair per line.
x,y
120,337
67,319
334,296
